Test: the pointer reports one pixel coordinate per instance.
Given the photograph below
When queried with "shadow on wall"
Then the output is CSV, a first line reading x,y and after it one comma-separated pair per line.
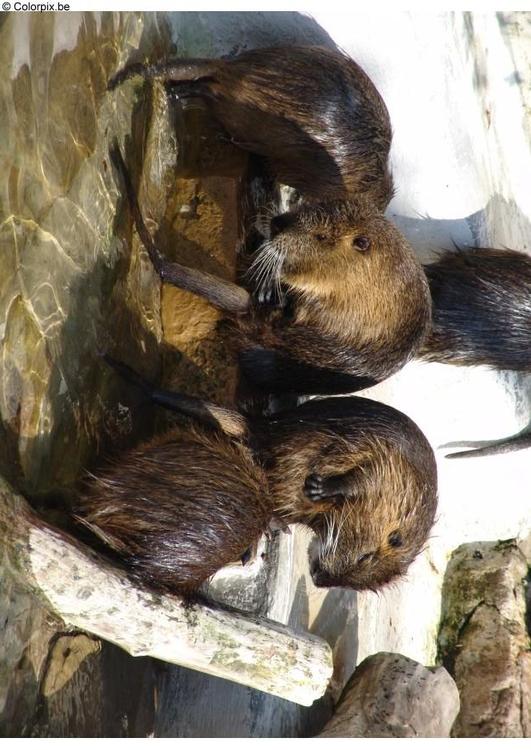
x,y
229,33
501,223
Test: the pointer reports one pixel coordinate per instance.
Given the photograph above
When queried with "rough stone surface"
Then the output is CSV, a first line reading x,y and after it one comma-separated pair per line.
x,y
483,639
390,695
56,683
70,285
75,280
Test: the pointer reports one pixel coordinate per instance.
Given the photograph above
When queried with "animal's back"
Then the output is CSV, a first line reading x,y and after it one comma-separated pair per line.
x,y
314,113
177,509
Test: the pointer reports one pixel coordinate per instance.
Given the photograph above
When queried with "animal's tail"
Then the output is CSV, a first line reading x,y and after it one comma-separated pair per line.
x,y
478,448
143,232
225,295
172,70
227,420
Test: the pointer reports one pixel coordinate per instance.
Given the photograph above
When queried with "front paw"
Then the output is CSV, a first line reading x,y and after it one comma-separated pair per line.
x,y
314,487
270,296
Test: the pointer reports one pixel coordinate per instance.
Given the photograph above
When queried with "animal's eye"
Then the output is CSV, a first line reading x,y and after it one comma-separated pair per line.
x,y
361,243
395,539
363,558
320,237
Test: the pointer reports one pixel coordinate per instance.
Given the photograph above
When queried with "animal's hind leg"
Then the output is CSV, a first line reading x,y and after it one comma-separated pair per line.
x,y
185,89
224,295
228,421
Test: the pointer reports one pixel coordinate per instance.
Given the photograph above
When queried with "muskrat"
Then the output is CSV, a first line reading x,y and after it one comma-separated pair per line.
x,y
481,301
360,474
178,508
351,303
312,112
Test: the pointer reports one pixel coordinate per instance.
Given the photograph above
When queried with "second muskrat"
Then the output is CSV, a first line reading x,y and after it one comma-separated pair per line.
x,y
352,303
481,301
362,476
312,112
358,473
180,507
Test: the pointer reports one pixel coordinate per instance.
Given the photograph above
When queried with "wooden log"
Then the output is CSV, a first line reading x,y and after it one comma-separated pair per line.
x,y
90,594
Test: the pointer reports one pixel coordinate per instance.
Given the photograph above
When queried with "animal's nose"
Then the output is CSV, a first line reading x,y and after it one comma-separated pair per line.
x,y
281,223
320,577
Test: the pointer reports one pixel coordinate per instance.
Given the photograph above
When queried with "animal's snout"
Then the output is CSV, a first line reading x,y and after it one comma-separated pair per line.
x,y
319,576
282,222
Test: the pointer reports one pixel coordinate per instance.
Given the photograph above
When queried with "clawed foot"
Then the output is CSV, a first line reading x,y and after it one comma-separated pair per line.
x,y
317,488
275,524
135,69
270,296
314,487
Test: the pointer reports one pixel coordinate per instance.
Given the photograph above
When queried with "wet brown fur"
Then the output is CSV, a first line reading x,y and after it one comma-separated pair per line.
x,y
482,316
347,318
390,506
364,313
481,309
313,113
177,509
180,507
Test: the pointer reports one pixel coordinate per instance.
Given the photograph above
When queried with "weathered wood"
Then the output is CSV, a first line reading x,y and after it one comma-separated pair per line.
x,y
89,594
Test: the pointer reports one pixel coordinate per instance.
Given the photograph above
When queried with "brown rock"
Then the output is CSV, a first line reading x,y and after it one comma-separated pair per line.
x,y
390,695
75,280
483,641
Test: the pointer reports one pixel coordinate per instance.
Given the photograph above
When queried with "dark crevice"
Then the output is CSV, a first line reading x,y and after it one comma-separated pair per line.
x,y
527,594
448,658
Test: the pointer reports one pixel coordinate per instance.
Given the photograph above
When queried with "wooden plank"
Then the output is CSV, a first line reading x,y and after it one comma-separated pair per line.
x,y
90,594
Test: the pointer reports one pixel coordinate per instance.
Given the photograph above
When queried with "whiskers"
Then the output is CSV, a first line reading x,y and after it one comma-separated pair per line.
x,y
266,269
329,543
263,217
334,526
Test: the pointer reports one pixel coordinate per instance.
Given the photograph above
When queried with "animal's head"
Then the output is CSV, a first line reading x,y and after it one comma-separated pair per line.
x,y
349,262
371,535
